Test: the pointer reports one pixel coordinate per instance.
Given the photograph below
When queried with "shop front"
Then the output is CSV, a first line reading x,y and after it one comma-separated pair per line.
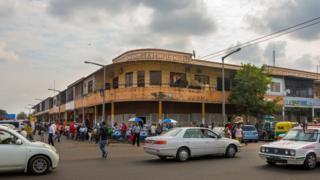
x,y
299,109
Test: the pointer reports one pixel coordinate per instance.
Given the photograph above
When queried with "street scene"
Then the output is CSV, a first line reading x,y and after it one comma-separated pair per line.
x,y
147,89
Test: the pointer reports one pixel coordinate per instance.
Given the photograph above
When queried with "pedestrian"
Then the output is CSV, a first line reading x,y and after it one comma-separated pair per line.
x,y
29,130
51,132
72,130
227,132
103,140
153,130
159,129
124,129
136,129
239,133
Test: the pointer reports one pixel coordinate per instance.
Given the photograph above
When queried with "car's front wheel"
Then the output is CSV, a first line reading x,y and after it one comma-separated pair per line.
x,y
39,165
271,163
310,161
182,154
231,151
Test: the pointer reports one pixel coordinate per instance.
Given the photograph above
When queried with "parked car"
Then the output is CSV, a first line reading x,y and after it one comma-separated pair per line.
x,y
250,133
185,142
13,122
18,153
297,147
267,132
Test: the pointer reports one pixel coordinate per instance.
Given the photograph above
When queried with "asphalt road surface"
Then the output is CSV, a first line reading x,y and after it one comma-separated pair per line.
x,y
80,160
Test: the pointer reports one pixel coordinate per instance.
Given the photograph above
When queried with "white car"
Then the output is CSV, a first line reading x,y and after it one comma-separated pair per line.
x,y
18,153
297,147
183,143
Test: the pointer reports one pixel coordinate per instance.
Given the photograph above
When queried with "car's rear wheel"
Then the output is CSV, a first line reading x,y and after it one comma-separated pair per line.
x,y
182,154
39,165
231,151
310,161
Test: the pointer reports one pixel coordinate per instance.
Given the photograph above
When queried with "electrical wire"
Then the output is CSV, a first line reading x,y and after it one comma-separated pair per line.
x,y
263,38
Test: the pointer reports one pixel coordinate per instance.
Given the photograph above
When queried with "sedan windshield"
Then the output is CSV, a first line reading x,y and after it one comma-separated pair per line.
x,y
300,135
171,133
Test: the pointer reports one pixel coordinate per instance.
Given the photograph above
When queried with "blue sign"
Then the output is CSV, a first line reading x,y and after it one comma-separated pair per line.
x,y
8,116
298,102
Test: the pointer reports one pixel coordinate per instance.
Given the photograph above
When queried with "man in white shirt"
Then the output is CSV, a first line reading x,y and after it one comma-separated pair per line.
x,y
51,132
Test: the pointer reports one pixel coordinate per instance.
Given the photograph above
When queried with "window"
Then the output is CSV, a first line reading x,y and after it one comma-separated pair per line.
x,y
129,79
90,86
7,138
140,79
299,87
208,134
275,87
115,82
178,79
227,84
202,79
155,77
193,133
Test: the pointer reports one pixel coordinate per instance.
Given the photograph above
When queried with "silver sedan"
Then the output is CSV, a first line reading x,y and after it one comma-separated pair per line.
x,y
183,143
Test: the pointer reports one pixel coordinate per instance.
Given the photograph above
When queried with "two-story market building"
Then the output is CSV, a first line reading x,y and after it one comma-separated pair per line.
x,y
154,84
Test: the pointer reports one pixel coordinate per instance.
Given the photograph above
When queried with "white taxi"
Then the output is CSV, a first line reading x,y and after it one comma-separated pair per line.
x,y
183,143
18,153
299,147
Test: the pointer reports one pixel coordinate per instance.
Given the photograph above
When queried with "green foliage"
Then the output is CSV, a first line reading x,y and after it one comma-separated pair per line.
x,y
22,115
250,85
3,112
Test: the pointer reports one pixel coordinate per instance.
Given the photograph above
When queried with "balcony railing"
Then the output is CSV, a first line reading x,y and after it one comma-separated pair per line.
x,y
165,92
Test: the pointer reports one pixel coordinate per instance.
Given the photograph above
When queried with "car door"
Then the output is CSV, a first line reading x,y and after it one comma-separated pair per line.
x,y
193,138
12,156
210,139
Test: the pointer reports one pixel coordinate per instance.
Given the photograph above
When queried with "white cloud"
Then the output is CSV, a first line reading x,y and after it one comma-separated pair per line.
x,y
7,55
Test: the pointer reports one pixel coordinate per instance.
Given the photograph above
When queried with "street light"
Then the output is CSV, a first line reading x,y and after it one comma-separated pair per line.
x,y
104,84
223,86
54,90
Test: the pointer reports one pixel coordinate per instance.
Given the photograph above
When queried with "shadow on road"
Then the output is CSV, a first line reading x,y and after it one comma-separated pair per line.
x,y
173,160
286,168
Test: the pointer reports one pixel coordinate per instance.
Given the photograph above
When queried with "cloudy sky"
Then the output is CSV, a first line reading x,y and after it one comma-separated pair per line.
x,y
46,41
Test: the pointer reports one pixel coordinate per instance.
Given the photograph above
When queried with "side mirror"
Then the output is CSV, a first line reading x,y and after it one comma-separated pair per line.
x,y
18,142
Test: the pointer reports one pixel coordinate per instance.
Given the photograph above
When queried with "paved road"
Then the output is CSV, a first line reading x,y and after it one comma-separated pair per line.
x,y
81,161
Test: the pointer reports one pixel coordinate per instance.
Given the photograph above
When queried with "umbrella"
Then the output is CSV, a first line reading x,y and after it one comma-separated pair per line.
x,y
168,121
135,119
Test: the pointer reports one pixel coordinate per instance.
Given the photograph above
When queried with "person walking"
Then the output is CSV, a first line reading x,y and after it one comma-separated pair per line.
x,y
103,140
124,129
51,133
239,133
136,129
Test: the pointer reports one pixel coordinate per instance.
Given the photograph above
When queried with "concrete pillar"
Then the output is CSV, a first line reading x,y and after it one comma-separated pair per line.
x,y
95,115
83,115
203,112
312,113
160,111
74,115
112,113
283,113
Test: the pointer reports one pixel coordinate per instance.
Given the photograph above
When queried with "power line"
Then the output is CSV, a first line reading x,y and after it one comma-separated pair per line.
x,y
247,45
251,42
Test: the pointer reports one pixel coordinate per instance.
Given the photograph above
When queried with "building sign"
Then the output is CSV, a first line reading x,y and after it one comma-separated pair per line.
x,y
70,105
154,55
298,102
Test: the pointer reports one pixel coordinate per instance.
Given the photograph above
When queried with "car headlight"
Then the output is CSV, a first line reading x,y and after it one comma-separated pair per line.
x,y
286,152
267,150
263,149
292,152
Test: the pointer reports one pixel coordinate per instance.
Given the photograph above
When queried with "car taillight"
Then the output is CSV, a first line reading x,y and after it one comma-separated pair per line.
x,y
160,142
147,141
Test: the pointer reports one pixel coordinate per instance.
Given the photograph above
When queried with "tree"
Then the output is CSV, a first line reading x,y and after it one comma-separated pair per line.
x,y
3,112
250,86
22,115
